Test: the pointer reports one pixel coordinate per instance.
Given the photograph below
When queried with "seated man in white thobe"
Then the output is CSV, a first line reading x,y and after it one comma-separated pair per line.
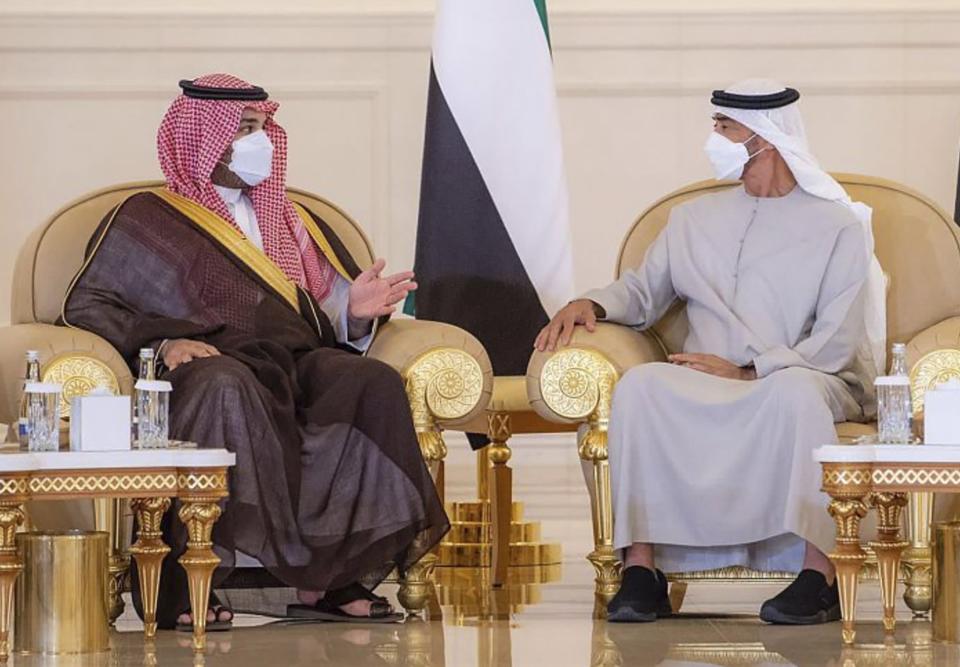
x,y
711,453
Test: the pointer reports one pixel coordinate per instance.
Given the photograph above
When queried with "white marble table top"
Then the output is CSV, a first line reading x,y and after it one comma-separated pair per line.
x,y
887,454
186,455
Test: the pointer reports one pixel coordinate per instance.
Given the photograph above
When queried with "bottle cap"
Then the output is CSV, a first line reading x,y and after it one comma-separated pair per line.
x,y
153,385
42,388
33,355
892,381
146,352
899,347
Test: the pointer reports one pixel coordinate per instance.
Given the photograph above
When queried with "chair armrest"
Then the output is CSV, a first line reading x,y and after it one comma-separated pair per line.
x,y
51,341
443,366
933,356
942,335
564,386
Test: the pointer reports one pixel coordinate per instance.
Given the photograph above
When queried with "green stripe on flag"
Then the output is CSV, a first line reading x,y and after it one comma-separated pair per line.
x,y
410,304
541,6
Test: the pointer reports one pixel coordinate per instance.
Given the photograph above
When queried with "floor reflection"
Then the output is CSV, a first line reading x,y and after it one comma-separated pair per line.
x,y
468,594
615,645
538,619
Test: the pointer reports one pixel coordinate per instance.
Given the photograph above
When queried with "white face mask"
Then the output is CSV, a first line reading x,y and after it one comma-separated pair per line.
x,y
252,158
728,158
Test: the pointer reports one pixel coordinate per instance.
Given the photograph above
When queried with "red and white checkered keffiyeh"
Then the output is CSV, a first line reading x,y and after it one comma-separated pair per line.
x,y
192,138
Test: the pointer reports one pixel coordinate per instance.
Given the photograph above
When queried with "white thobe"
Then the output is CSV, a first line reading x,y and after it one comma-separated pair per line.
x,y
719,472
336,305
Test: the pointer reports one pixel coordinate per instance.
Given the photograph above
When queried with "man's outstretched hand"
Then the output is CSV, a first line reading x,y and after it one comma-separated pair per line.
x,y
373,295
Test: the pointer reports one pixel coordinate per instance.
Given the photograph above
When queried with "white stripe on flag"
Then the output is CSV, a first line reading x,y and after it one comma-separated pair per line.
x,y
493,65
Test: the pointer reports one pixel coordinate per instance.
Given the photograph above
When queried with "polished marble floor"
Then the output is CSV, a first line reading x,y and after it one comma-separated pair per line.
x,y
552,625
717,627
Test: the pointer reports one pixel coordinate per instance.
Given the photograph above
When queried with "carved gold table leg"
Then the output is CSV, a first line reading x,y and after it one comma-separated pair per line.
x,y
199,492
11,516
501,492
888,547
149,551
847,509
916,561
199,515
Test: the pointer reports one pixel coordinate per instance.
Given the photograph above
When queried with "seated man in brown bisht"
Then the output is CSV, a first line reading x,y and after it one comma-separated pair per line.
x,y
258,313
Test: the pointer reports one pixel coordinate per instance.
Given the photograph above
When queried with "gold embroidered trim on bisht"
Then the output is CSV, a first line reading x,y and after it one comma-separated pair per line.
x,y
236,244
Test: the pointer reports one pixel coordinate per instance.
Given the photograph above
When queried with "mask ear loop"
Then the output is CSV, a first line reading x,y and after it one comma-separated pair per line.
x,y
750,155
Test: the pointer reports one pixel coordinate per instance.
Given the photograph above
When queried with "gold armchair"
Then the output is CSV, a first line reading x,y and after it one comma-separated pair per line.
x,y
447,372
918,246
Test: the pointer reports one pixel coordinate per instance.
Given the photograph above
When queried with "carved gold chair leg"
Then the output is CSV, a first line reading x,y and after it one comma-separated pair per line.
x,y
501,493
148,552
888,547
578,385
11,517
593,449
434,451
917,559
847,509
678,591
417,590
442,384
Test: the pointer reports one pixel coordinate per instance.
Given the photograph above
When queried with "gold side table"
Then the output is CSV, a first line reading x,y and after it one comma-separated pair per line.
x,y
150,478
879,477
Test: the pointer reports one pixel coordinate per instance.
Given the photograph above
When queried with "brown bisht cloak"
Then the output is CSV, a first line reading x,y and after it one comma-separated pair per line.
x,y
330,487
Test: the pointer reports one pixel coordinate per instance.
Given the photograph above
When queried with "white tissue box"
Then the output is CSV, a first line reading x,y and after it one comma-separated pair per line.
x,y
99,423
941,414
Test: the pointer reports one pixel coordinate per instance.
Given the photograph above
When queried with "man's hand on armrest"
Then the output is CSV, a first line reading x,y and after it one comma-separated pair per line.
x,y
714,365
580,312
183,351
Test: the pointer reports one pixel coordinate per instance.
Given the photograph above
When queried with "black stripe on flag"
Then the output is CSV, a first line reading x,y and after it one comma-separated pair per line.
x,y
956,207
468,271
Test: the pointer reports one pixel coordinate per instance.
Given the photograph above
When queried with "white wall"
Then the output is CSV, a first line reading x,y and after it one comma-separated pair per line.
x,y
84,84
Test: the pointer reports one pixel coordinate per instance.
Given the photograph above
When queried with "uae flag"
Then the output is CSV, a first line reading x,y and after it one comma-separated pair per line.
x,y
493,239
